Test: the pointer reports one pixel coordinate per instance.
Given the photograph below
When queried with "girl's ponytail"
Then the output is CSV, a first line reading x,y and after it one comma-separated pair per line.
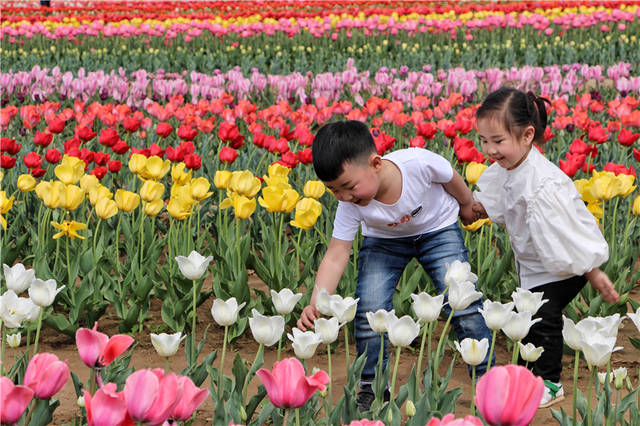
x,y
538,113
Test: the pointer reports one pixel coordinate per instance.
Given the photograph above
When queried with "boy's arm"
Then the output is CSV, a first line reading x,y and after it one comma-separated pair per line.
x,y
459,190
601,282
328,277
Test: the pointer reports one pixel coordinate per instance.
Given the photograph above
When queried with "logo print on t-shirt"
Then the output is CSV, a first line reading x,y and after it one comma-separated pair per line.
x,y
416,212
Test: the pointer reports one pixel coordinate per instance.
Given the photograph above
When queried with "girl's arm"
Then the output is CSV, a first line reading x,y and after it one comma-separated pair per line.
x,y
328,277
601,282
459,190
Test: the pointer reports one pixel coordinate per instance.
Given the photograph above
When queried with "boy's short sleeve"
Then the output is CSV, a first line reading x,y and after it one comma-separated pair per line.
x,y
490,194
346,222
437,168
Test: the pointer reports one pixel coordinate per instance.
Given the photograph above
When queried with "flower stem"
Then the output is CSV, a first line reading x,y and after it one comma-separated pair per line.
x,y
35,345
92,381
279,348
141,240
436,360
419,370
473,390
3,331
247,379
95,241
166,365
395,372
516,352
575,387
193,325
71,284
591,377
224,348
346,344
493,343
330,377
297,416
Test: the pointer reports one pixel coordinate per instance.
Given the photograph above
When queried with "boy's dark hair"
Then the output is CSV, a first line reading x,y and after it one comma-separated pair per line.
x,y
516,110
338,143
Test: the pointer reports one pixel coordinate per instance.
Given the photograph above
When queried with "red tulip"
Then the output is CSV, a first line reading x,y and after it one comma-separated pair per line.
x,y
85,133
154,149
509,395
114,166
46,375
151,395
627,137
596,133
107,407
280,146
228,155
101,158
305,156
130,124
636,154
9,145
228,132
417,142
14,401
287,385
56,125
32,160
192,161
52,155
120,147
99,172
288,159
7,162
548,134
573,163
97,349
187,133
175,154
427,129
192,397
164,129
108,137
42,139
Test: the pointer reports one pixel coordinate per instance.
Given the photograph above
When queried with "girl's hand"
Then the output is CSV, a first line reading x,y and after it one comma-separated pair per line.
x,y
479,211
467,215
601,282
309,315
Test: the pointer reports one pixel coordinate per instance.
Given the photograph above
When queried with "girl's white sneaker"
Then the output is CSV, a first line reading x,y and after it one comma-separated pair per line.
x,y
553,392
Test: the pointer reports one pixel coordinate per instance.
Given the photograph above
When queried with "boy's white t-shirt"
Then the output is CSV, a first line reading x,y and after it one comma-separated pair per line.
x,y
423,206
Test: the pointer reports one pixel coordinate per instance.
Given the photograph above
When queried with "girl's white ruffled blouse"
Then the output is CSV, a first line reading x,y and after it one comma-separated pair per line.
x,y
552,234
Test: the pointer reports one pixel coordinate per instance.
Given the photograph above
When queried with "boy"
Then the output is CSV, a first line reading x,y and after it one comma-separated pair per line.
x,y
408,204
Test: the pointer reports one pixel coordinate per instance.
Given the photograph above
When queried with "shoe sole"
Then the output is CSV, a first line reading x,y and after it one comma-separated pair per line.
x,y
553,401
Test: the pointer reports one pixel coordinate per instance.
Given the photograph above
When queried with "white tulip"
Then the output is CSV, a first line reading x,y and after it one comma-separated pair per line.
x,y
496,314
426,307
43,293
529,352
402,331
607,326
473,351
602,377
343,308
14,310
13,340
527,301
266,330
518,325
304,343
194,266
167,344
323,301
462,294
378,320
459,272
571,334
619,375
225,313
285,301
597,349
18,277
635,317
327,329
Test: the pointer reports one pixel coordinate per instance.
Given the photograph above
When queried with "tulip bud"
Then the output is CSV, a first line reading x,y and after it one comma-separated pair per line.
x,y
474,171
636,206
410,409
243,413
390,416
80,401
13,340
619,375
313,189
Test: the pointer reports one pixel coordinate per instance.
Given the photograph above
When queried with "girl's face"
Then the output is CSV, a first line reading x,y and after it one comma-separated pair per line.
x,y
502,146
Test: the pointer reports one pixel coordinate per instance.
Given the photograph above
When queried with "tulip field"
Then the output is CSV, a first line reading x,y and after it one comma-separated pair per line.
x,y
161,223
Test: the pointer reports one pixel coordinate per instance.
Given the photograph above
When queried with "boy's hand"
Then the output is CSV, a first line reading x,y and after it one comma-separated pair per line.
x,y
309,315
479,211
467,215
601,282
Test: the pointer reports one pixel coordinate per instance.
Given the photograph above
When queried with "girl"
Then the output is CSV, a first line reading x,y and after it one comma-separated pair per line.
x,y
556,241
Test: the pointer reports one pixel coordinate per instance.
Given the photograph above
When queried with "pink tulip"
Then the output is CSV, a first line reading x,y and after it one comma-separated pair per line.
x,y
151,395
450,420
287,385
46,375
14,400
107,407
365,422
97,349
192,397
509,395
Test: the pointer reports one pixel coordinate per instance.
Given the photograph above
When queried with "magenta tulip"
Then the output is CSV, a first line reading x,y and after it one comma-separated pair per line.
x,y
287,385
192,397
14,400
151,395
107,407
46,375
450,420
509,395
97,350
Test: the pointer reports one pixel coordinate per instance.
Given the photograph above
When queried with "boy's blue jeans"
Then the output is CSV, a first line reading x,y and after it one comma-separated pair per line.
x,y
381,262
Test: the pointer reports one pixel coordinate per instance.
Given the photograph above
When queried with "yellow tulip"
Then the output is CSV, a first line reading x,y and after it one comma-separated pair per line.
x,y
474,171
244,183
87,182
221,179
307,212
313,189
137,163
68,228
70,170
636,206
477,225
200,188
52,193
26,183
156,168
179,208
178,174
595,209
106,208
277,169
272,197
5,203
74,195
277,181
243,207
98,193
584,188
605,186
151,190
127,201
626,184
3,222
153,208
